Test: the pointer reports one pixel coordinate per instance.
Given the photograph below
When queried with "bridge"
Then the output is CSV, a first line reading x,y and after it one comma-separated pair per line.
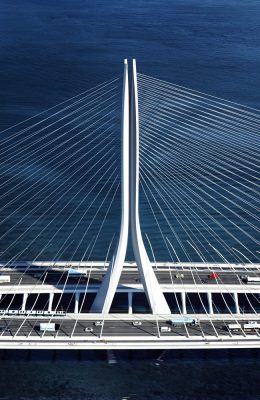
x,y
188,209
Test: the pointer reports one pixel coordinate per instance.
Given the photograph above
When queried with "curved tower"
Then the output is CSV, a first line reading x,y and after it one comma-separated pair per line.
x,y
130,212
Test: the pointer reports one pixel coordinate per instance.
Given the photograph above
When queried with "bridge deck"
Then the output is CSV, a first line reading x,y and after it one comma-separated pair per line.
x,y
119,332
181,277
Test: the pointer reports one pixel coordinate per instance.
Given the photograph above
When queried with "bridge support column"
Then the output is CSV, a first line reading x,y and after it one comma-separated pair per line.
x,y
105,295
130,213
76,306
209,297
25,297
150,283
130,302
51,296
183,302
235,296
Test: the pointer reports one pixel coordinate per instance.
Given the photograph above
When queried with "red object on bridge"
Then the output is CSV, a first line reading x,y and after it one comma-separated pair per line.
x,y
214,275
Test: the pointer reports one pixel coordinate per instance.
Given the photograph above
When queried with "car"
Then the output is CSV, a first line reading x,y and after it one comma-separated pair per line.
x,y
48,327
88,329
137,323
213,275
5,329
98,323
165,329
38,275
179,276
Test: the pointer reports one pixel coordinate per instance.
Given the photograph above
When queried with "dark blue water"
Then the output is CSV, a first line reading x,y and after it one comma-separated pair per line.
x,y
52,50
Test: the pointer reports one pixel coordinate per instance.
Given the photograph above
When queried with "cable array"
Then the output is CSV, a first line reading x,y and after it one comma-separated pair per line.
x,y
60,179
199,186
199,183
199,163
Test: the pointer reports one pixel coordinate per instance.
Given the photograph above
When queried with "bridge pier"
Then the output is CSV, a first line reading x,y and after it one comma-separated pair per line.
x,y
235,296
76,305
130,302
51,296
209,297
183,302
25,297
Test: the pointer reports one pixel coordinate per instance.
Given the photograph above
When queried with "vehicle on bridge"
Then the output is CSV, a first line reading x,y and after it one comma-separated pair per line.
x,y
250,279
4,329
251,326
98,323
181,321
233,327
88,329
4,278
48,327
38,275
213,275
179,276
74,273
165,329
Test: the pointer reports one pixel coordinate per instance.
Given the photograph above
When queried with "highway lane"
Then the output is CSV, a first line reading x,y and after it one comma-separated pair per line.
x,y
164,277
111,328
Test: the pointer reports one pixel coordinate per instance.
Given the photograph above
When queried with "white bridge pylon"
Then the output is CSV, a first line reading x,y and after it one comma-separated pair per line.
x,y
130,212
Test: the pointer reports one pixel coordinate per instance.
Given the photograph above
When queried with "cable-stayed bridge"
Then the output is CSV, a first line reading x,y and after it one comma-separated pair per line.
x,y
142,170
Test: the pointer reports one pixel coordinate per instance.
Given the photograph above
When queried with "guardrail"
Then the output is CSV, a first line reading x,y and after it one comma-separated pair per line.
x,y
33,312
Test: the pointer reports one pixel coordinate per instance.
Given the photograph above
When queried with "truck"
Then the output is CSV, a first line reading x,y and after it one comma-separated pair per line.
x,y
251,326
4,278
74,273
250,279
233,327
181,321
47,326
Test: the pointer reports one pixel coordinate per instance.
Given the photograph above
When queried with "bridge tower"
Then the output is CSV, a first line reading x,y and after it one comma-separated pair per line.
x,y
130,211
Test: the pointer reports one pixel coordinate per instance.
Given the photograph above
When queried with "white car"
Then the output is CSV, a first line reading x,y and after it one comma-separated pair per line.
x,y
137,323
165,329
88,329
178,275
